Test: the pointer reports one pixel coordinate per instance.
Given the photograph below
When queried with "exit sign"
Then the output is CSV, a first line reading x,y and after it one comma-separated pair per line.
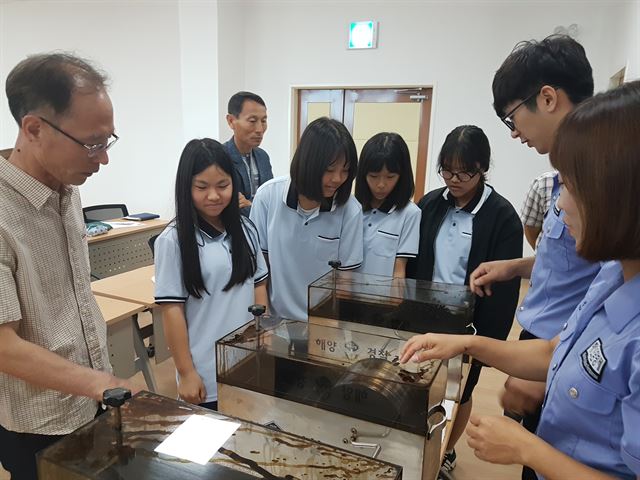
x,y
363,34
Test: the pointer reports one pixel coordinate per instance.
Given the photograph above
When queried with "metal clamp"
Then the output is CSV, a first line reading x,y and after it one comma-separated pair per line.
x,y
376,447
454,378
436,409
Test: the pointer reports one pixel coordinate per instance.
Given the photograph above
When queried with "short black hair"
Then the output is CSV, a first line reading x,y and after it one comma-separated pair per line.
x,y
468,146
197,156
48,80
237,101
385,150
558,61
322,142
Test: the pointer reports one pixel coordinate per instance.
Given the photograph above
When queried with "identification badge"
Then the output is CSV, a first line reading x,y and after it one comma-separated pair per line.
x,y
594,361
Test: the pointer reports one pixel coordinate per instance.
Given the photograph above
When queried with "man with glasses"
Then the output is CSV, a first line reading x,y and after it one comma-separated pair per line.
x,y
534,89
54,364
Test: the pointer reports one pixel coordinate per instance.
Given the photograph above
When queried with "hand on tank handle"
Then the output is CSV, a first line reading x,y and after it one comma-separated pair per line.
x,y
115,398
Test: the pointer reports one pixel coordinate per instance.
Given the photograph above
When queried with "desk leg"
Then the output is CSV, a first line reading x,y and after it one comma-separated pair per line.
x,y
120,345
159,342
142,362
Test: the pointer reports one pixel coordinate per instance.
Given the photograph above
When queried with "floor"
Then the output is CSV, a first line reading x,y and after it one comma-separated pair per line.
x,y
468,466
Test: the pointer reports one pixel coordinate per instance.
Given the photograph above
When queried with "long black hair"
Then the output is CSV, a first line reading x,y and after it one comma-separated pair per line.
x,y
197,156
385,150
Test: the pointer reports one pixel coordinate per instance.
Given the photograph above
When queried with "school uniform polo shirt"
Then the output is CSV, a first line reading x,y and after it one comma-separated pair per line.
x,y
592,404
300,244
560,277
453,242
389,233
213,316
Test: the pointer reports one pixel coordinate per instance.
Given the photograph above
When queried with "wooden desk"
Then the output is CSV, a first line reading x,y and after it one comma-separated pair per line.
x,y
123,249
136,287
127,352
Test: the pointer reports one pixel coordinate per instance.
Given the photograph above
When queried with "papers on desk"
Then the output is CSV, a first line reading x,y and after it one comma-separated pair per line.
x,y
123,224
197,439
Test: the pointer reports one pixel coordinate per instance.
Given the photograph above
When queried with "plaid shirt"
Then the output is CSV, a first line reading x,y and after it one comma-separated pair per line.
x,y
538,200
45,287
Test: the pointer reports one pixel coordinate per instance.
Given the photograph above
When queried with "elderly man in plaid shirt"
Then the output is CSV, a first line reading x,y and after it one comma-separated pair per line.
x,y
536,205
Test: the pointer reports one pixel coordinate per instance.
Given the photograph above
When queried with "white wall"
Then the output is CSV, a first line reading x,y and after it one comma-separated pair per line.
x,y
632,40
456,46
162,60
174,64
234,43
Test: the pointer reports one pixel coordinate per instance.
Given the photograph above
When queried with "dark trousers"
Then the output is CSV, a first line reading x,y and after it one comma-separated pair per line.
x,y
18,452
530,421
210,405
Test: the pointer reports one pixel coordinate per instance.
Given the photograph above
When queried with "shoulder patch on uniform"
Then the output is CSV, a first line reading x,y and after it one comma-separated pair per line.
x,y
594,361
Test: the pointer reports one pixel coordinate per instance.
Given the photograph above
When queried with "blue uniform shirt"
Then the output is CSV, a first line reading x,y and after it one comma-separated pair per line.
x,y
389,234
300,244
592,404
560,277
453,242
213,316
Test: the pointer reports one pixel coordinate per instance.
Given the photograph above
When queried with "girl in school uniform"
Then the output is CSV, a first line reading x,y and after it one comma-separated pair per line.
x,y
384,187
591,413
464,224
208,268
309,218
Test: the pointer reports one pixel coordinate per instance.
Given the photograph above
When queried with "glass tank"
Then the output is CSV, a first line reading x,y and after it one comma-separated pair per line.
x,y
397,304
356,374
99,450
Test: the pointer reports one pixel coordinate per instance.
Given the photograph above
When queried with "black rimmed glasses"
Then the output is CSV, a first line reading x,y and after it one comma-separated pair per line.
x,y
461,176
508,120
92,150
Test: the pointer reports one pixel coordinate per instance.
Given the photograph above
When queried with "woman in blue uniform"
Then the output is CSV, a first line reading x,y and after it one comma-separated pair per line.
x,y
384,187
209,268
463,225
591,414
310,218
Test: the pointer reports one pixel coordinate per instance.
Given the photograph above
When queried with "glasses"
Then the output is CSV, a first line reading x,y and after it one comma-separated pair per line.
x,y
92,150
507,120
461,176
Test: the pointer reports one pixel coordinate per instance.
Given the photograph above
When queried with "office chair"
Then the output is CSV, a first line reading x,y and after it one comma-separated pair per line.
x,y
100,213
152,242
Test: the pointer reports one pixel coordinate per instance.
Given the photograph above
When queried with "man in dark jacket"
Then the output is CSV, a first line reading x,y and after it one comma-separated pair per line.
x,y
247,117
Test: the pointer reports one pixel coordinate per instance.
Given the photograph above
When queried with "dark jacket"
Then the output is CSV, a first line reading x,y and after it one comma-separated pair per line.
x,y
262,162
497,235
